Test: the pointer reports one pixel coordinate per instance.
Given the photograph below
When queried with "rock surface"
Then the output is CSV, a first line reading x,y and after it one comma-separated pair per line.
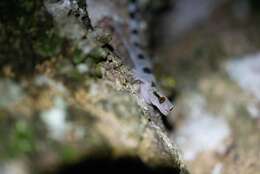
x,y
64,98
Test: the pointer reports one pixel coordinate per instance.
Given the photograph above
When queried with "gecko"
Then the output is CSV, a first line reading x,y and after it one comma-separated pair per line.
x,y
142,67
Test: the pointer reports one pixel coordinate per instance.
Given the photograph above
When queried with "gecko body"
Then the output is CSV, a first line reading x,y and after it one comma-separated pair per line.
x,y
142,66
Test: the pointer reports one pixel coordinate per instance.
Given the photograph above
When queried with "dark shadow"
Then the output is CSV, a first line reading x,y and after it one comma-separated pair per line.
x,y
255,6
122,165
167,124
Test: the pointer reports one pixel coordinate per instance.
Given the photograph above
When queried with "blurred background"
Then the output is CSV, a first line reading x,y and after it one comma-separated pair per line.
x,y
211,48
59,113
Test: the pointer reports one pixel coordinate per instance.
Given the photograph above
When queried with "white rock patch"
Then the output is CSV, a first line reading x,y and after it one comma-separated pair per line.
x,y
44,80
218,168
201,131
13,167
55,119
246,72
10,93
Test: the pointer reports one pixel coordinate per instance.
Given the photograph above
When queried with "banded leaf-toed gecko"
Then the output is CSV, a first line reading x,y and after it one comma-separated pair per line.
x,y
142,67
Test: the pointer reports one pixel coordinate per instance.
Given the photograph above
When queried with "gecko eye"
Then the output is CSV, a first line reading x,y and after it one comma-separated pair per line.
x,y
161,100
147,70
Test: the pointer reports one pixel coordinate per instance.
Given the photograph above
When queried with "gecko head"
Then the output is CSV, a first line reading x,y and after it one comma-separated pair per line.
x,y
152,96
163,104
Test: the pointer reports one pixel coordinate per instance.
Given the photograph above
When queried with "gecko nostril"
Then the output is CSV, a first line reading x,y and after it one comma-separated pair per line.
x,y
147,70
